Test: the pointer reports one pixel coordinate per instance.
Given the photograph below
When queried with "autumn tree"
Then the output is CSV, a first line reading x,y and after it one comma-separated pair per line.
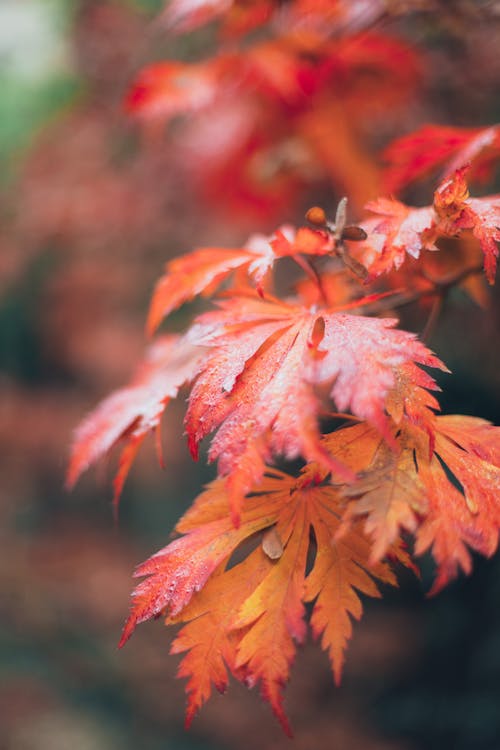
x,y
319,373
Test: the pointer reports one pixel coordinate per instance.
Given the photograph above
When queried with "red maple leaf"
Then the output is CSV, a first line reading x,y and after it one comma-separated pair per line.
x,y
407,231
456,211
172,88
418,153
255,388
398,234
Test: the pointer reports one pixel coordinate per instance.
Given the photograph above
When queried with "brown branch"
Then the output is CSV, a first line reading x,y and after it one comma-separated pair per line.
x,y
313,274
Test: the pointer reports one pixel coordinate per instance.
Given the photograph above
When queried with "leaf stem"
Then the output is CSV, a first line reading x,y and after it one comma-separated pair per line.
x,y
439,288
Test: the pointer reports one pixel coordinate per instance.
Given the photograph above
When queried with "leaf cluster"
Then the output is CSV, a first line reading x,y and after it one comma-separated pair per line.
x,y
266,371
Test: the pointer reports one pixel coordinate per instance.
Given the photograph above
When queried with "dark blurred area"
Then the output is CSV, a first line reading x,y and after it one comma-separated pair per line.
x,y
91,209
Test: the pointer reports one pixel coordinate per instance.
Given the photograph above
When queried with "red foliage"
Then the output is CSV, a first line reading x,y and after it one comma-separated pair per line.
x,y
419,153
296,104
407,230
266,368
257,363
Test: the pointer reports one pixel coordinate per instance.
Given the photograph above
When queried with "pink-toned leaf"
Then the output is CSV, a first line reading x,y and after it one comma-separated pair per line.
x,y
130,413
256,387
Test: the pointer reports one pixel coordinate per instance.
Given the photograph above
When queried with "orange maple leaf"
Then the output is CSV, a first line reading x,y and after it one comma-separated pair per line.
x,y
203,270
448,500
464,510
388,492
184,566
248,617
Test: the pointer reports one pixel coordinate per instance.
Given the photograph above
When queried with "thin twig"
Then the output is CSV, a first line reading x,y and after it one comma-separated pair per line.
x,y
313,274
437,306
439,287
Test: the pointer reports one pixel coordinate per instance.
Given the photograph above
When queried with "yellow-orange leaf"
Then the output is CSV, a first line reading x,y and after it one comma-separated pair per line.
x,y
342,568
391,496
448,498
184,566
248,617
241,598
208,638
464,497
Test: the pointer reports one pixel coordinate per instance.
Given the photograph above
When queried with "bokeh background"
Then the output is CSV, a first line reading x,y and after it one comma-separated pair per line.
x,y
90,210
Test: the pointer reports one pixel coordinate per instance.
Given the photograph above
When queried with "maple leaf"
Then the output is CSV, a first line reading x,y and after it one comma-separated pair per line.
x,y
389,493
263,359
255,388
311,82
462,484
203,270
132,412
448,499
208,638
183,567
398,234
407,231
248,618
411,398
192,274
270,69
418,153
457,211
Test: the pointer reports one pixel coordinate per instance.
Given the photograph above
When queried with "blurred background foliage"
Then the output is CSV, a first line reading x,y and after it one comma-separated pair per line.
x,y
90,212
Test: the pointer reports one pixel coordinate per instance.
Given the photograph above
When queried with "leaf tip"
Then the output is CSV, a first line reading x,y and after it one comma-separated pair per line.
x,y
127,631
